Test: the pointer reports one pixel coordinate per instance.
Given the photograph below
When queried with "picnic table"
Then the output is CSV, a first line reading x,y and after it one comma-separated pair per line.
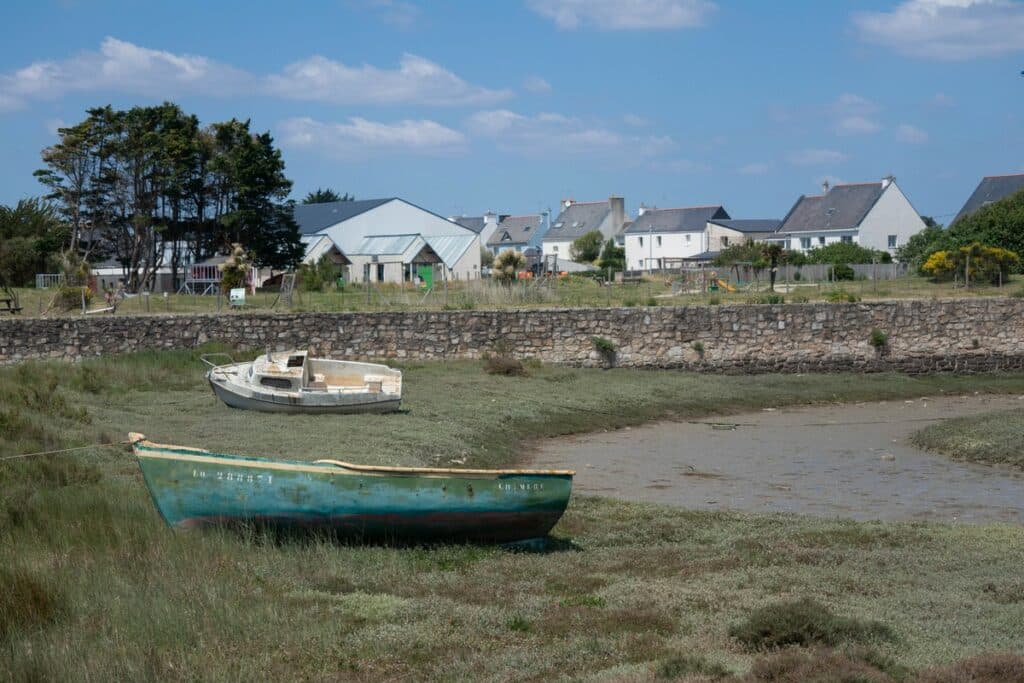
x,y
9,305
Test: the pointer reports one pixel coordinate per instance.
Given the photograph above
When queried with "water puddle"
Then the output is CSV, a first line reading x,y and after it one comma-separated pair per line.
x,y
845,460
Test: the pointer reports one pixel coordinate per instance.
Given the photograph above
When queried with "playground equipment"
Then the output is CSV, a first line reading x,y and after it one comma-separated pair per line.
x,y
719,283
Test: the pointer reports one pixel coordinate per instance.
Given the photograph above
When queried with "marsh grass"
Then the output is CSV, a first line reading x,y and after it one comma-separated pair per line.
x,y
990,438
107,592
804,622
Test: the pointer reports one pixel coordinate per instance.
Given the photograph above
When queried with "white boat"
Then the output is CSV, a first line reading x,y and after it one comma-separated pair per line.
x,y
292,382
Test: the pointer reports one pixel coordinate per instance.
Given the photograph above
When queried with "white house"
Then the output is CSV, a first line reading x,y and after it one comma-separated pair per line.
x,y
348,224
662,238
577,219
873,215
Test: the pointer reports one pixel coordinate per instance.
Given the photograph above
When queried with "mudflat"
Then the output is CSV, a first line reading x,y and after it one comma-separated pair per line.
x,y
848,461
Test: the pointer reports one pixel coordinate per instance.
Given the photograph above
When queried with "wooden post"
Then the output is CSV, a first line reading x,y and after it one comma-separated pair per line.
x,y
967,271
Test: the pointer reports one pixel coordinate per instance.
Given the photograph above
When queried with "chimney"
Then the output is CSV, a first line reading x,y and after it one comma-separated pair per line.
x,y
566,203
618,206
887,180
824,186
642,210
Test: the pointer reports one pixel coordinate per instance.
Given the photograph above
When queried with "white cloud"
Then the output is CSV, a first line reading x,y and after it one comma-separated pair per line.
x,y
536,84
816,157
634,120
856,125
549,134
416,80
912,134
946,29
624,14
122,67
359,138
854,115
755,168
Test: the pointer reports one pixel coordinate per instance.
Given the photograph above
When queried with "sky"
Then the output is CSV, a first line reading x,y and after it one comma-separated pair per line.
x,y
512,105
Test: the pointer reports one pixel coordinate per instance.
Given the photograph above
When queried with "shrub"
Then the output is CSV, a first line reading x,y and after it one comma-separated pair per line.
x,y
651,301
518,624
605,348
795,666
980,262
987,668
803,622
70,298
840,296
690,665
714,300
799,299
26,602
797,276
841,271
878,338
698,346
503,365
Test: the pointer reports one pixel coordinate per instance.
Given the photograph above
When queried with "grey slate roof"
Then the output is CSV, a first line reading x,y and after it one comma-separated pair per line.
x,y
749,225
842,208
991,189
686,219
576,221
313,218
518,228
474,223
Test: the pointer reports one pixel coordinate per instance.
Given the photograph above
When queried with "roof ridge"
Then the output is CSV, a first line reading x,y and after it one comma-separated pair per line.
x,y
682,208
519,215
1004,175
869,182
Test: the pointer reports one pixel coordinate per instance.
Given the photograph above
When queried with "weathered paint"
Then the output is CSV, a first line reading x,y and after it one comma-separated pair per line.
x,y
193,488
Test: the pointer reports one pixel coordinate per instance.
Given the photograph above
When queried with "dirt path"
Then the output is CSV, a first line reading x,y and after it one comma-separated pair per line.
x,y
846,461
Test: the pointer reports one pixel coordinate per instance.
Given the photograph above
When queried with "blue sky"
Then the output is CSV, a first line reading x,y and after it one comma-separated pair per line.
x,y
512,105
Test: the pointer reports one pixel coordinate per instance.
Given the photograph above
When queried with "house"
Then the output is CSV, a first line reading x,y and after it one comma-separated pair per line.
x,y
484,225
663,238
348,224
518,232
873,215
319,245
991,189
723,233
578,218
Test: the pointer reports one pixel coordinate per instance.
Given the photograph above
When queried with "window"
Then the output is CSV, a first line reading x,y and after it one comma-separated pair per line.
x,y
805,242
725,241
892,241
687,237
641,241
555,248
380,272
846,239
821,240
659,240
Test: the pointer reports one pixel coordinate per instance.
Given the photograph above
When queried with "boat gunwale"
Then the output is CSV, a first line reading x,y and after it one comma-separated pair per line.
x,y
172,452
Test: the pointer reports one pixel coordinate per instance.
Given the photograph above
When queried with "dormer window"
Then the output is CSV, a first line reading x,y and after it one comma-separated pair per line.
x,y
526,228
506,237
558,225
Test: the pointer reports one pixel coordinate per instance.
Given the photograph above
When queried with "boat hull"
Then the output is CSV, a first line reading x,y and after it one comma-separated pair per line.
x,y
279,403
193,488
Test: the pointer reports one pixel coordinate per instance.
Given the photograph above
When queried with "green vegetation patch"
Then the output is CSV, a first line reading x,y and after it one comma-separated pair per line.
x,y
990,438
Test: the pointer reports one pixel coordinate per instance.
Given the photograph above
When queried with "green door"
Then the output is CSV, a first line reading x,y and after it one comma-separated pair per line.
x,y
426,275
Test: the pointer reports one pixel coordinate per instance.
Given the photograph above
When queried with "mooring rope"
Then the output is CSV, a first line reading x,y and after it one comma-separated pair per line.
x,y
65,450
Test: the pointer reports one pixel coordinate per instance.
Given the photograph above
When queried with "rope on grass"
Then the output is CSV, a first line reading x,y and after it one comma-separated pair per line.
x,y
65,450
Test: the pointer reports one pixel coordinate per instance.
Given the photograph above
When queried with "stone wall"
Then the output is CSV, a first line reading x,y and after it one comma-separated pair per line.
x,y
963,335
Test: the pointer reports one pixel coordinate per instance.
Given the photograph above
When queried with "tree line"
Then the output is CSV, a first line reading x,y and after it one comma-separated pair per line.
x,y
150,186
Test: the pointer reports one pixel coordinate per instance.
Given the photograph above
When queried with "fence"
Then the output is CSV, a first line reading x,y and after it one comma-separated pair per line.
x,y
47,280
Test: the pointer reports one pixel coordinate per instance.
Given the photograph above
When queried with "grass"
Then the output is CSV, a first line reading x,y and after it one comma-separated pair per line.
x,y
96,587
990,438
564,292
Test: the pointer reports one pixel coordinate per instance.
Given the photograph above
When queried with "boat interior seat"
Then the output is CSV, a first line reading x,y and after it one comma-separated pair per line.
x,y
317,385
